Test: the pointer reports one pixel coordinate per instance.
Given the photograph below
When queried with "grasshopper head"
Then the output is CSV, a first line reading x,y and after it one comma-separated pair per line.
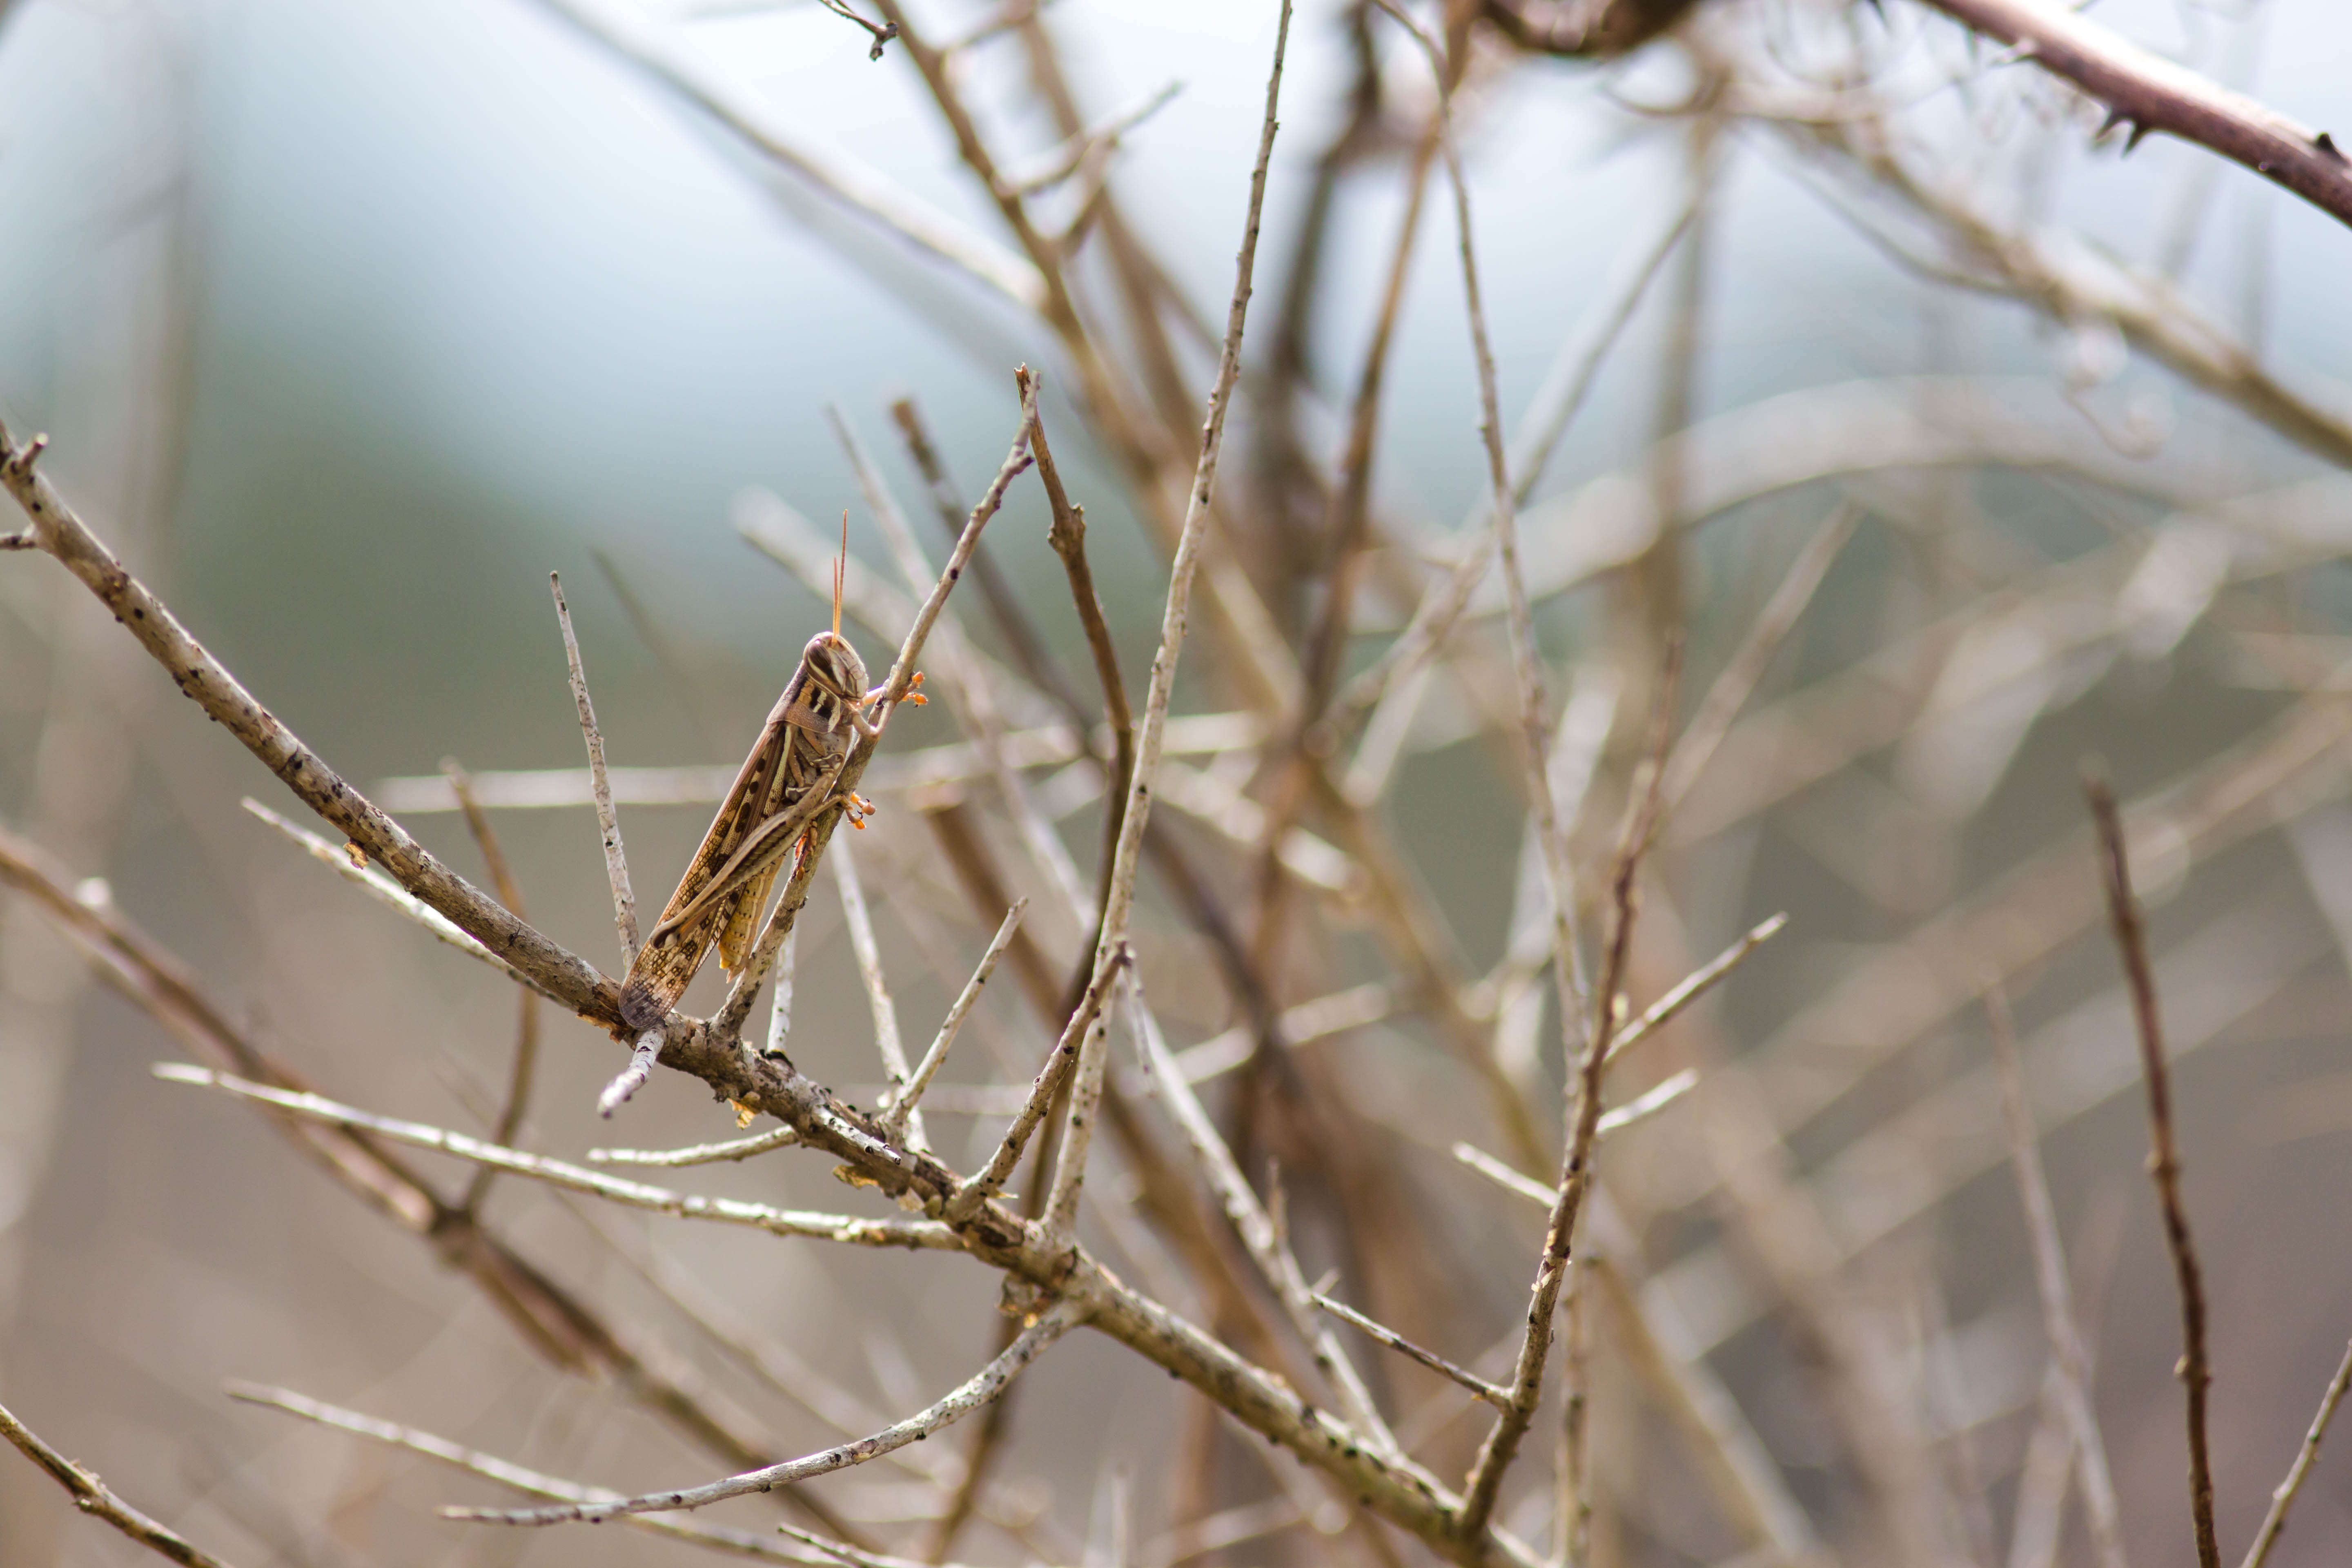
x,y
835,666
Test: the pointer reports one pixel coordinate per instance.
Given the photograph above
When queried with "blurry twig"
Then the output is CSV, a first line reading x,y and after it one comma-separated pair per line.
x,y
2072,284
1736,682
2072,1363
982,1387
2164,1161
901,1105
2283,1497
526,1052
850,184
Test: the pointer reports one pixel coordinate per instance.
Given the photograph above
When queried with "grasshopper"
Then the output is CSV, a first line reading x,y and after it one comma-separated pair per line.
x,y
785,784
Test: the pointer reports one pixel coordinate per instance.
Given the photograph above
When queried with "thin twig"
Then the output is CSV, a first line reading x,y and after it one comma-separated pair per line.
x,y
1664,1352
763,128
2282,1500
2164,1161
94,1498
887,1041
981,1388
975,703
879,33
1478,1386
1697,983
2072,1361
1028,654
608,824
490,1467
556,1173
1255,1226
905,1097
1711,720
699,1153
1085,1020
1068,535
632,1078
359,870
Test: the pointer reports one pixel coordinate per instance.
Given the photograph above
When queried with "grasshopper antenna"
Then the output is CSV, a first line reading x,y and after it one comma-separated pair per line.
x,y
840,568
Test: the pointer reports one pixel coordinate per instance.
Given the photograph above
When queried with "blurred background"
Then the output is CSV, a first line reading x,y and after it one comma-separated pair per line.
x,y
349,322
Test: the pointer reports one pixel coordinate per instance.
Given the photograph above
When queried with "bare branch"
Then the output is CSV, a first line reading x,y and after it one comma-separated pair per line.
x,y
2149,93
2164,1161
414,1440
904,1232
983,1387
94,1498
862,943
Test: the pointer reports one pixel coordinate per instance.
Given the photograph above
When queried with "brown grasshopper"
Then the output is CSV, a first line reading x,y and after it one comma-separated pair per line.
x,y
786,782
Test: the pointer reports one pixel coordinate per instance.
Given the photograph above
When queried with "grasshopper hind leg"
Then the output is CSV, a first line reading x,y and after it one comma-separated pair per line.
x,y
735,941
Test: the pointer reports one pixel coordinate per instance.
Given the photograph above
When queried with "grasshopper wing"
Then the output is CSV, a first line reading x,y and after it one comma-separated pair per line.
x,y
674,948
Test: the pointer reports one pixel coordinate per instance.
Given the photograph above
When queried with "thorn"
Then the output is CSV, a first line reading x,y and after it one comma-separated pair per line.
x,y
2327,144
2140,130
2108,127
21,460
